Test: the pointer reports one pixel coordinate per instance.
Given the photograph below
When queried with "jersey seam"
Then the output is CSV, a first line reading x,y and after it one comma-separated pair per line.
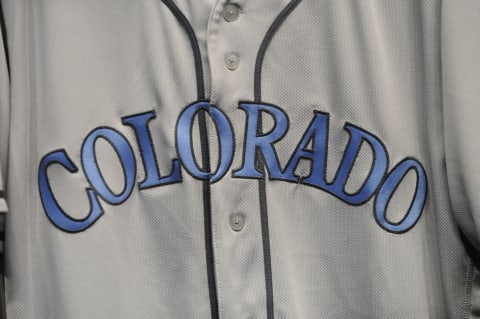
x,y
467,299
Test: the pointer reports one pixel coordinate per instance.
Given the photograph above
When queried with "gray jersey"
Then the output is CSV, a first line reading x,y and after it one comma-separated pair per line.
x,y
251,159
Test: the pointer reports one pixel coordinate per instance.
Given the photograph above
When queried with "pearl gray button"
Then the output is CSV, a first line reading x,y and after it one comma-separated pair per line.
x,y
231,61
231,12
237,221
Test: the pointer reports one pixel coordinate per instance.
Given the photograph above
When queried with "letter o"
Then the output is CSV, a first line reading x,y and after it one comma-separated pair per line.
x,y
387,190
185,145
90,166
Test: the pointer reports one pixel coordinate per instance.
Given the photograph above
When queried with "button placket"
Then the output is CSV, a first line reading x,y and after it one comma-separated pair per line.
x,y
231,12
235,240
237,221
232,60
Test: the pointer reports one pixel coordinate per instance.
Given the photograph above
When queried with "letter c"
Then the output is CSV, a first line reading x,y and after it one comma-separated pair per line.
x,y
53,210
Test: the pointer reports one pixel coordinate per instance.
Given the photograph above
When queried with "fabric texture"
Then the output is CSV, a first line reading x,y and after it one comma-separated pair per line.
x,y
367,151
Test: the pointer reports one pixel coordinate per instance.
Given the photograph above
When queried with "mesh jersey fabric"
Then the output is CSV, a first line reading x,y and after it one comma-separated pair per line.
x,y
403,73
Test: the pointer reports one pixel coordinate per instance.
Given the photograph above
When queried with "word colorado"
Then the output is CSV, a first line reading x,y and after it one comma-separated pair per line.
x,y
259,147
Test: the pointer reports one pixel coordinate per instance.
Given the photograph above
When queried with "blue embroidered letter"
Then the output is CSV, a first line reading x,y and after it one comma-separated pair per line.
x,y
139,122
185,145
258,143
387,190
53,210
92,171
316,132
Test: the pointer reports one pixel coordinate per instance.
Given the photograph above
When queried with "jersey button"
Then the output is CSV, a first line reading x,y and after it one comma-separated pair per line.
x,y
231,12
237,221
231,61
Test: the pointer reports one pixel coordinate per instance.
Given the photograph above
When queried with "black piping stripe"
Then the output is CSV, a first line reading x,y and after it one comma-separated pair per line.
x,y
262,193
2,194
207,219
267,259
263,48
4,36
197,57
207,207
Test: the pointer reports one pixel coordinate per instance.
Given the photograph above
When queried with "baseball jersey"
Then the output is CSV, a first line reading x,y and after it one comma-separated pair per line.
x,y
240,159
